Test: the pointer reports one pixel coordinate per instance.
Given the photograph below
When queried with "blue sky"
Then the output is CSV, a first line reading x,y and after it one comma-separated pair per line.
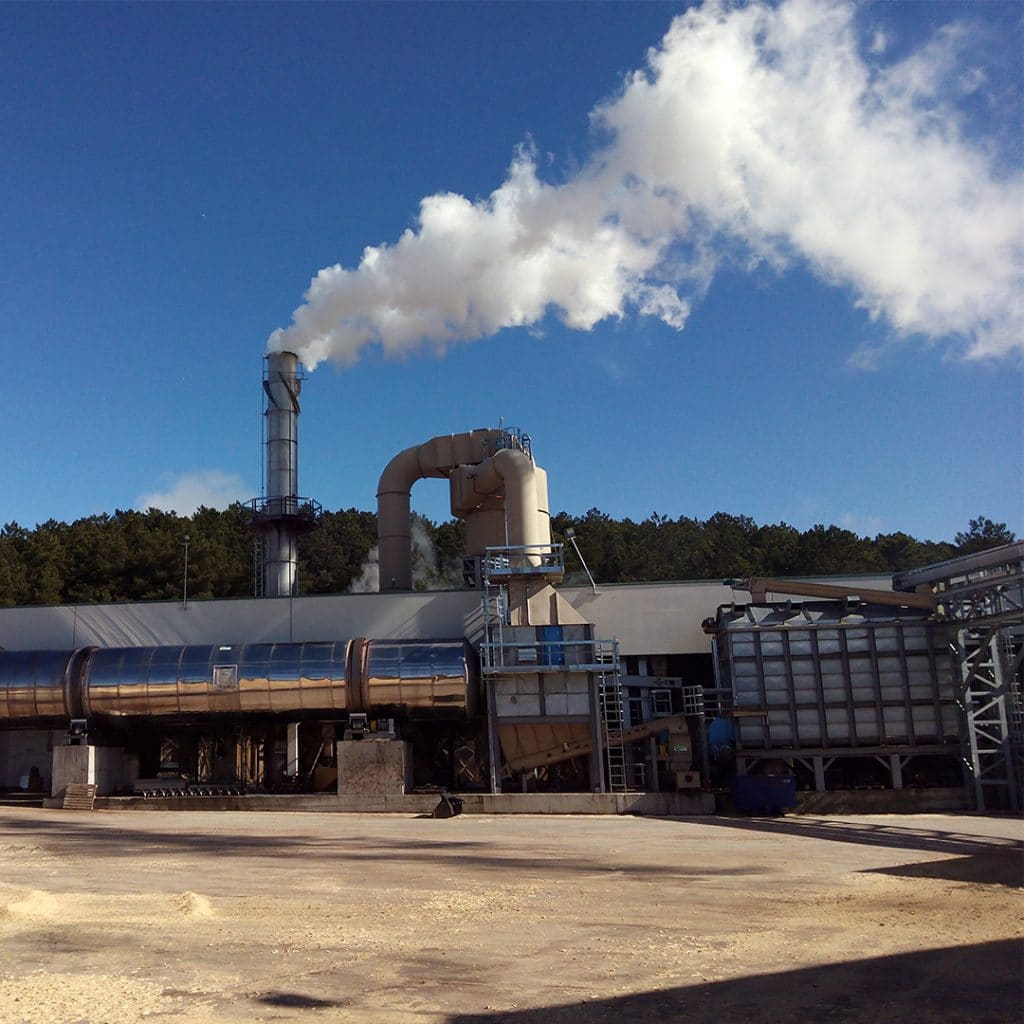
x,y
174,176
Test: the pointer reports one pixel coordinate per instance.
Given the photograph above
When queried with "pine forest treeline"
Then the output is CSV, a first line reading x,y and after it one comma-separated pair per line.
x,y
139,556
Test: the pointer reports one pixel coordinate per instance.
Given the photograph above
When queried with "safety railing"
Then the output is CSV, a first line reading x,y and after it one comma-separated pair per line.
x,y
523,560
290,507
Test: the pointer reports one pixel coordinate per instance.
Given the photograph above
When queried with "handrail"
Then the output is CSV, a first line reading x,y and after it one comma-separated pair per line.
x,y
285,507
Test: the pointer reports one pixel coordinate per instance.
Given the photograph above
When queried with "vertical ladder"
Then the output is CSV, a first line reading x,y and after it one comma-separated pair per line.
x,y
612,717
495,611
1011,653
257,565
693,704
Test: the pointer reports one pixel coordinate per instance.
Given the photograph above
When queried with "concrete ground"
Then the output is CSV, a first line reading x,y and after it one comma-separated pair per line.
x,y
192,917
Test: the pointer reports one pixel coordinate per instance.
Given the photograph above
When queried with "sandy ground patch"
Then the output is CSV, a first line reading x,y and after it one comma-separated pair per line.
x,y
190,918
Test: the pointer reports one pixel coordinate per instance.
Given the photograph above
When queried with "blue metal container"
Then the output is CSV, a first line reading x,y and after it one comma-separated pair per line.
x,y
763,794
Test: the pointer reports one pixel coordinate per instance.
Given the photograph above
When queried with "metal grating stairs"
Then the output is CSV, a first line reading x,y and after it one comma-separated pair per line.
x,y
79,796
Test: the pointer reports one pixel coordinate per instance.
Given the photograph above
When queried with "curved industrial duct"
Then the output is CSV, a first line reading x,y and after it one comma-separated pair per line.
x,y
495,487
434,458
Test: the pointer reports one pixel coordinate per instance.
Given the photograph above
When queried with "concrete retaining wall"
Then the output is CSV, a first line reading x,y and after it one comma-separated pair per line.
x,y
101,766
906,801
664,804
883,801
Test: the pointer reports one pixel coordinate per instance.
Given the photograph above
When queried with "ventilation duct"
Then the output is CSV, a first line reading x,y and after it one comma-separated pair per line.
x,y
495,487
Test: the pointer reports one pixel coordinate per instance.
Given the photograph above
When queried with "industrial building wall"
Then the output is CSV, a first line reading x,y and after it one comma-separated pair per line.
x,y
647,618
23,749
665,618
266,620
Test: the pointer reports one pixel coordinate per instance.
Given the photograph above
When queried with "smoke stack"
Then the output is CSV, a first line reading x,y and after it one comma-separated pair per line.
x,y
281,516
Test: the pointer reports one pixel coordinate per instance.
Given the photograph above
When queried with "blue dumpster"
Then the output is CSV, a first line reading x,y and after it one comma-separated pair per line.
x,y
763,794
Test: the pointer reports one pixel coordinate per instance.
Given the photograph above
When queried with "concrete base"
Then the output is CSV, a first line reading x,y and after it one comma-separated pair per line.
x,y
883,801
907,801
654,804
101,766
373,769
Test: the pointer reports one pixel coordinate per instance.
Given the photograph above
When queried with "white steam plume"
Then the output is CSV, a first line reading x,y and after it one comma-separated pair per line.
x,y
368,580
755,132
425,574
424,556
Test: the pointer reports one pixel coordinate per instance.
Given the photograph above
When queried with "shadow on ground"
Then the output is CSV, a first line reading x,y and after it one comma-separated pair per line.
x,y
972,858
100,836
988,860
297,1001
995,867
978,984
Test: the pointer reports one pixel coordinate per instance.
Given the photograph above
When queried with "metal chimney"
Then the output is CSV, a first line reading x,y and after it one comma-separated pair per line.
x,y
281,516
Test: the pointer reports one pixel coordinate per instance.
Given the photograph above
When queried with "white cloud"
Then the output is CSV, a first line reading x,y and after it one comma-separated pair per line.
x,y
187,492
862,525
755,133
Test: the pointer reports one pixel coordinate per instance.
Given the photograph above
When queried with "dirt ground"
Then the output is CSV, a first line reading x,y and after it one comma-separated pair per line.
x,y
190,917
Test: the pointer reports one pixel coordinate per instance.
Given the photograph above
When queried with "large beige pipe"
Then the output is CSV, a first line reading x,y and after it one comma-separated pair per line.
x,y
485,526
543,508
434,458
514,472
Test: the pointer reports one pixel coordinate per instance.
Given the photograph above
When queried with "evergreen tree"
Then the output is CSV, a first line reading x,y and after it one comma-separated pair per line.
x,y
138,556
982,534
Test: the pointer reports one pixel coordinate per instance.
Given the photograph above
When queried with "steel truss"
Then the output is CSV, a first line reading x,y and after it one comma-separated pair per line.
x,y
981,597
987,663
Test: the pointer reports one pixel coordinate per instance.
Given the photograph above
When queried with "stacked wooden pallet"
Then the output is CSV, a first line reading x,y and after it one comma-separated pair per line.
x,y
79,796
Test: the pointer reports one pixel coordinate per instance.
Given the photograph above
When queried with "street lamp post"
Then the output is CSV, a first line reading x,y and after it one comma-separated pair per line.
x,y
570,535
184,589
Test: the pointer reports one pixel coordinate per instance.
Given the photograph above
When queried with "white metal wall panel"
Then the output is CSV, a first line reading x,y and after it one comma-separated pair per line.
x,y
335,617
876,684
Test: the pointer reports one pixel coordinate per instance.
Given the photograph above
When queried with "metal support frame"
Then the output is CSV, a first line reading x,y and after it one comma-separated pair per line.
x,y
292,759
818,761
981,596
818,765
988,665
599,659
493,747
894,763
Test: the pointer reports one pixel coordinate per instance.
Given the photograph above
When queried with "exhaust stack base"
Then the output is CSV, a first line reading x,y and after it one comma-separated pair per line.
x,y
282,516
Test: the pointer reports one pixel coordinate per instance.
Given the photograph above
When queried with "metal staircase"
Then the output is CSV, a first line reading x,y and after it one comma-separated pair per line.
x,y
79,796
495,616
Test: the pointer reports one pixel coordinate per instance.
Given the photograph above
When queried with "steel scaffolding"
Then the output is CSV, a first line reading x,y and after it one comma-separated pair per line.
x,y
981,597
546,653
